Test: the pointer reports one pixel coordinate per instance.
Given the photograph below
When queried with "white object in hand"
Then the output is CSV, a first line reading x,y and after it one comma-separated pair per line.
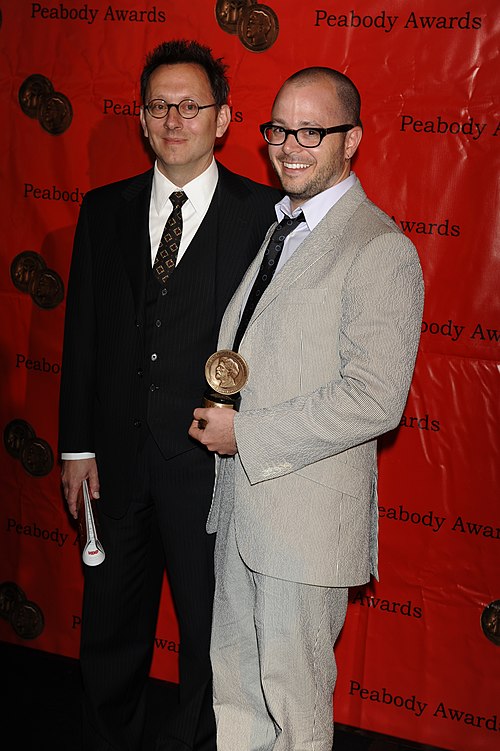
x,y
93,552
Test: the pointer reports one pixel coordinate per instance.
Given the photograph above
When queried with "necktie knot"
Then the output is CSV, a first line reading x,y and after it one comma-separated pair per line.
x,y
282,230
178,198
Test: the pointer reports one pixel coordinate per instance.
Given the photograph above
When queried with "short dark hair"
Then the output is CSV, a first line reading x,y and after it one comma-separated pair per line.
x,y
347,92
184,51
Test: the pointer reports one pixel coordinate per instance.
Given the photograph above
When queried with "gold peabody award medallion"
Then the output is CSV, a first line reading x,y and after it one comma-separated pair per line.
x,y
255,24
226,373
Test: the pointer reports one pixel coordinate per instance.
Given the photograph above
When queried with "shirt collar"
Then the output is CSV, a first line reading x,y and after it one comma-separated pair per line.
x,y
199,191
315,208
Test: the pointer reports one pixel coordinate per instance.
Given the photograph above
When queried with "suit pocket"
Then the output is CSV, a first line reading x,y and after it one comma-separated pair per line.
x,y
340,477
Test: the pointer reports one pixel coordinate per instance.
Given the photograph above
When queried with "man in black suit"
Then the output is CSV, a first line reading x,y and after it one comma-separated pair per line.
x,y
136,341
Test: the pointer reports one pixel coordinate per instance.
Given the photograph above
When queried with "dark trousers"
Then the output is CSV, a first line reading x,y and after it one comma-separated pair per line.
x,y
163,529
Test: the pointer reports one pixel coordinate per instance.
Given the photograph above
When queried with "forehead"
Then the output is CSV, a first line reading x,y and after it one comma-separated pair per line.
x,y
181,79
307,102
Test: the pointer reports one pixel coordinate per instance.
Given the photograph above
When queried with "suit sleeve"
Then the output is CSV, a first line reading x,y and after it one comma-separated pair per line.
x,y
379,331
77,394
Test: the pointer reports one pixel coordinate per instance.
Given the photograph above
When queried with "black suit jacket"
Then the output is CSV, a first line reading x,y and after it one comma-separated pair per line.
x,y
103,402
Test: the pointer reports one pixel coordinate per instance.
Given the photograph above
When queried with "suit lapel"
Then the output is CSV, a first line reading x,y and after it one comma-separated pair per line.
x,y
323,239
133,233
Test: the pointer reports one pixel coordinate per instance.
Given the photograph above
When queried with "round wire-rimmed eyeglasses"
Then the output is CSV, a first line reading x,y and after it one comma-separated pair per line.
x,y
188,108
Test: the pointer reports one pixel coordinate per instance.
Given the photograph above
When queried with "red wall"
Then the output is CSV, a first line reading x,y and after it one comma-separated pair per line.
x,y
417,655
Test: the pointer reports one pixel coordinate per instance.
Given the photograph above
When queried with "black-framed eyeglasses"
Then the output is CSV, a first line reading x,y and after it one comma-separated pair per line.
x,y
309,138
187,109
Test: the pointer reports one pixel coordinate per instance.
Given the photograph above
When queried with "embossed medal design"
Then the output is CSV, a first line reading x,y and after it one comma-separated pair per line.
x,y
226,373
227,13
15,435
258,27
38,99
56,113
490,622
255,24
24,267
37,457
33,92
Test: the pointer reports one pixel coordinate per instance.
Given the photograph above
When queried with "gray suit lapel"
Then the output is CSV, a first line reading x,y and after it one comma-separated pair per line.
x,y
324,239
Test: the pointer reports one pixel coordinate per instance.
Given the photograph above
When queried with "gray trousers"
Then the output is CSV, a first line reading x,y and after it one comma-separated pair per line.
x,y
272,656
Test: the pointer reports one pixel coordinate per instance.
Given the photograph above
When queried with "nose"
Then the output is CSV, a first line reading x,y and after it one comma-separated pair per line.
x,y
291,144
172,119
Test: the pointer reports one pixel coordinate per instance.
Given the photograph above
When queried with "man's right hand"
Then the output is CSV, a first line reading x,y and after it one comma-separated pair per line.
x,y
74,472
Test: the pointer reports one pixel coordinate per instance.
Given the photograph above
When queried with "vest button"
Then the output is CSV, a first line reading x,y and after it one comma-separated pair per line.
x,y
158,323
140,373
164,291
137,324
153,387
137,423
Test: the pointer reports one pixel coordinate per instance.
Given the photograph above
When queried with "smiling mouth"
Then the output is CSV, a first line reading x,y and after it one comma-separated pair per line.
x,y
295,165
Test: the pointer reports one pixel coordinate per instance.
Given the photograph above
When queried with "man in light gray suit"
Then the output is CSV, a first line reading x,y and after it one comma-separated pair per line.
x,y
330,347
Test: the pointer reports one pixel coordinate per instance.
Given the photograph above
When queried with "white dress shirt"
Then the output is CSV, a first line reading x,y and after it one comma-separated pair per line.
x,y
199,192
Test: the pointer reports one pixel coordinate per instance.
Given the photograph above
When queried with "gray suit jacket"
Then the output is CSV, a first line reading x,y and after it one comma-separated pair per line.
x,y
331,349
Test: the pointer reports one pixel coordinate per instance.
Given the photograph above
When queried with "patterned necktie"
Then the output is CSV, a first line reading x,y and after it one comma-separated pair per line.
x,y
168,248
266,271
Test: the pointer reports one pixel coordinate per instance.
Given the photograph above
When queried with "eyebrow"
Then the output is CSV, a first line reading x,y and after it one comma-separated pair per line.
x,y
304,123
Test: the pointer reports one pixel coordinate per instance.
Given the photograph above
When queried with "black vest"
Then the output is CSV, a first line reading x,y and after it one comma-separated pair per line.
x,y
181,330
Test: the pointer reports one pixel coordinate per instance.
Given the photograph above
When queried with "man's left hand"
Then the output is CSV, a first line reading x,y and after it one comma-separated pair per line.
x,y
218,431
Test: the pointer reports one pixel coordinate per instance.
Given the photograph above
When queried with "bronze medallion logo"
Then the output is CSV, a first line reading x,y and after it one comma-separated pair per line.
x,y
24,266
38,99
490,622
55,113
46,289
15,435
32,93
258,27
27,619
226,372
255,24
227,13
10,595
29,273
37,457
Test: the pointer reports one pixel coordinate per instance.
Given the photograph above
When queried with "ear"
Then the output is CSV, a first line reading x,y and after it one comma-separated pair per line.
x,y
142,117
352,141
223,120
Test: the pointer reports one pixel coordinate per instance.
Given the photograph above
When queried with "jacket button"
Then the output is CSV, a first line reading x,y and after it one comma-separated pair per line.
x,y
154,357
158,323
153,387
137,423
140,373
137,323
164,291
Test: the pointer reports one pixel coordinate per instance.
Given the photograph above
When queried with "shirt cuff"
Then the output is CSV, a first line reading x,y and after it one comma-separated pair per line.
x,y
80,455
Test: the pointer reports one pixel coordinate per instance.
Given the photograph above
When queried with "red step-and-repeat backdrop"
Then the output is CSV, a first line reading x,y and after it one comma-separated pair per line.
x,y
418,657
